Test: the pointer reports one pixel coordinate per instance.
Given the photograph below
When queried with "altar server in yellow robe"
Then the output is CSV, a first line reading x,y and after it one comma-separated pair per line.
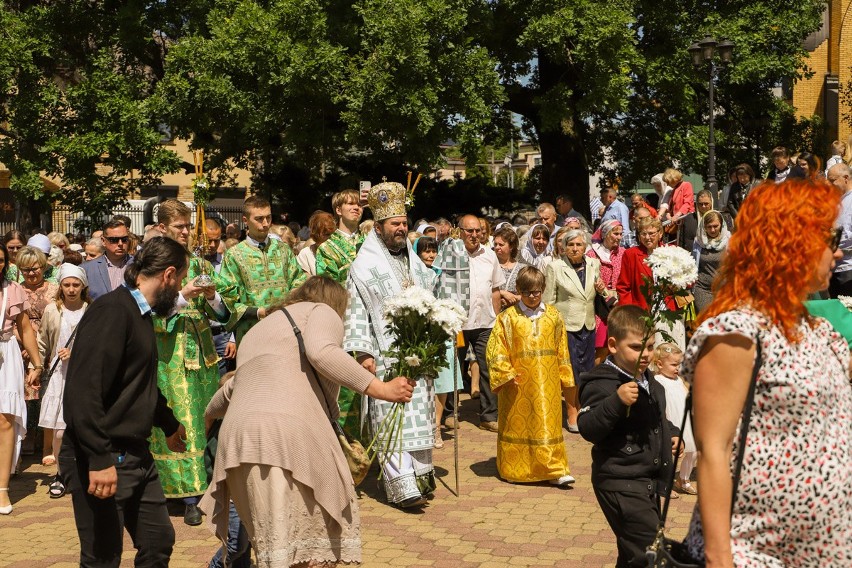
x,y
530,370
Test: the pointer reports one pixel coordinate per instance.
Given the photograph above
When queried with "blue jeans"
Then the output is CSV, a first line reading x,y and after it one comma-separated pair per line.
x,y
239,549
220,340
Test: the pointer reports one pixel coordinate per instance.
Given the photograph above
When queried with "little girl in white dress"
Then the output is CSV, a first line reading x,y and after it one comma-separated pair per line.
x,y
667,360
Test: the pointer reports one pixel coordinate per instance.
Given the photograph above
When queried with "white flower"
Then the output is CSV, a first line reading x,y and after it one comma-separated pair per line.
x,y
846,301
674,265
449,315
411,299
412,361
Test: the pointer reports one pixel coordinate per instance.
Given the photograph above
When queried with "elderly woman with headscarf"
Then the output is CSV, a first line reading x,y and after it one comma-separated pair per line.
x,y
571,283
606,247
536,252
711,240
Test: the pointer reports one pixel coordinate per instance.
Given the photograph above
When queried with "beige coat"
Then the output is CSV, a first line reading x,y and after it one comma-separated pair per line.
x,y
563,290
275,415
48,333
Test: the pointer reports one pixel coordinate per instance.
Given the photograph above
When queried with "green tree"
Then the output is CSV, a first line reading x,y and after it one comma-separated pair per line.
x,y
75,81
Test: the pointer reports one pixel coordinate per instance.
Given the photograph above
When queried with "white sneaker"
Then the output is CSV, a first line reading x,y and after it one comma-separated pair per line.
x,y
562,481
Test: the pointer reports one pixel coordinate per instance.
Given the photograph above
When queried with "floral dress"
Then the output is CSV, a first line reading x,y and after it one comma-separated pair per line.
x,y
793,505
38,300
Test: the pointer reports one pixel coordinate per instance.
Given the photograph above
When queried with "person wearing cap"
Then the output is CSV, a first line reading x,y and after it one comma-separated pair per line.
x,y
257,273
384,266
55,340
106,272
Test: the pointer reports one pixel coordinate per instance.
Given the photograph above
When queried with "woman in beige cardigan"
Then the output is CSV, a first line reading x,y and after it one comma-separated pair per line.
x,y
571,283
278,458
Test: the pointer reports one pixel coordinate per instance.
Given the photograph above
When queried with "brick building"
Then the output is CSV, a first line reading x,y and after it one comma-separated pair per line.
x,y
831,61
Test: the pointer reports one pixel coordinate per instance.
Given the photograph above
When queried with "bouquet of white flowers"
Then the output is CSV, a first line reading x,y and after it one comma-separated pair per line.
x,y
421,326
674,272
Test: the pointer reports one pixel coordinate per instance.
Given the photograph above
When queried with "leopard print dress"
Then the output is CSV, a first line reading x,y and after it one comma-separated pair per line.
x,y
794,503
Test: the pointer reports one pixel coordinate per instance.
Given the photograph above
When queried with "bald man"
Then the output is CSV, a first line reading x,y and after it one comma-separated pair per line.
x,y
486,277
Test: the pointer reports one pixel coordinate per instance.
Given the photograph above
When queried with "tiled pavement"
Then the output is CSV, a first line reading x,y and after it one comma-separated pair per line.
x,y
491,524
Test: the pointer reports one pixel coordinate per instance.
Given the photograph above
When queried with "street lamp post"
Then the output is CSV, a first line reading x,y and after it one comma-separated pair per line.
x,y
703,56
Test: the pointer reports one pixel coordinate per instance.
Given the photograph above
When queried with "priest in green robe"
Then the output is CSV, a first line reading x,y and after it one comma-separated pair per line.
x,y
187,369
258,272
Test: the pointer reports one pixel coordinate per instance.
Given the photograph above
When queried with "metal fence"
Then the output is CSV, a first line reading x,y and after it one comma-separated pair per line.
x,y
64,220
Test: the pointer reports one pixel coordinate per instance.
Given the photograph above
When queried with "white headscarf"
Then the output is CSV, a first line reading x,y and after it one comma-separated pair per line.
x,y
717,244
530,256
72,271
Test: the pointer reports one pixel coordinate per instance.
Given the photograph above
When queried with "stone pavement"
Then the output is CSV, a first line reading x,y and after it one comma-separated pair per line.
x,y
491,524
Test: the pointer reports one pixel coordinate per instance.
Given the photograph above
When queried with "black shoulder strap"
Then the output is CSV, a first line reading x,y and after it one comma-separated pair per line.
x,y
312,374
749,403
746,420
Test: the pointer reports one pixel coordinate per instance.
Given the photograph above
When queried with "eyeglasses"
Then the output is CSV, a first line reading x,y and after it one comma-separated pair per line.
x,y
531,293
649,233
31,270
471,231
116,240
834,239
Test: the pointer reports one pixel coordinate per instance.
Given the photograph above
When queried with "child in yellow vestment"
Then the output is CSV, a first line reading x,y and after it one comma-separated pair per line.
x,y
530,369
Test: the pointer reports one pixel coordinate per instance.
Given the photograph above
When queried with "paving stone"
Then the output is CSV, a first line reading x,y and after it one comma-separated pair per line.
x,y
491,524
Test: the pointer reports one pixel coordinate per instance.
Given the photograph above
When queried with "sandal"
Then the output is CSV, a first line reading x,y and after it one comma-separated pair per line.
x,y
56,489
685,487
48,460
439,441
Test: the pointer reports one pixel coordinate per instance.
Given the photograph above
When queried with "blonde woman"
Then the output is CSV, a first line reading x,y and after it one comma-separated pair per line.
x,y
55,339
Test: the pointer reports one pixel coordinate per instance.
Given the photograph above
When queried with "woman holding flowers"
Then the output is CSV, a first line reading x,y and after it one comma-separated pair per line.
x,y
635,272
278,458
530,370
792,505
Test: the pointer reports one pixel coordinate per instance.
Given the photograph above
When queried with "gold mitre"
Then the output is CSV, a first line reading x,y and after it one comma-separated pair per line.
x,y
387,200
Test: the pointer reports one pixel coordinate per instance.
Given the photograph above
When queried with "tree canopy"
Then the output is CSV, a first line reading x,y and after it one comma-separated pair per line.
x,y
310,94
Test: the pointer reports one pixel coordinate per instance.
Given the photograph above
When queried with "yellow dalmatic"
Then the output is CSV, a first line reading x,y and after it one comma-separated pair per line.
x,y
529,365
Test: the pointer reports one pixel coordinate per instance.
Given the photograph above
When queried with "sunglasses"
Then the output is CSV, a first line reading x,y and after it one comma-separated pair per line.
x,y
116,240
834,239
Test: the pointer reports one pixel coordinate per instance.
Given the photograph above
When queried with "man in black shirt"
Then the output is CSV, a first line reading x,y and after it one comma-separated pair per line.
x,y
111,403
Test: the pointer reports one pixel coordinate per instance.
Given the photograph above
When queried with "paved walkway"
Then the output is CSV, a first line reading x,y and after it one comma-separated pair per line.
x,y
491,524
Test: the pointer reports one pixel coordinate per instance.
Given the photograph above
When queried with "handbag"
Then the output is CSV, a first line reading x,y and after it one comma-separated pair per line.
x,y
46,374
357,457
668,553
603,305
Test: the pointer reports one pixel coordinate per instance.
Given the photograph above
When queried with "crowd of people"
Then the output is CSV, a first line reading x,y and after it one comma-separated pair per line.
x,y
215,380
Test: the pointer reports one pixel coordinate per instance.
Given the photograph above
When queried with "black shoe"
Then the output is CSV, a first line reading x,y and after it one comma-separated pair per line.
x,y
412,502
192,515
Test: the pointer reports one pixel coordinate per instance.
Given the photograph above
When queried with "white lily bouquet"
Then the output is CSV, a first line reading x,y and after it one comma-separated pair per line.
x,y
421,326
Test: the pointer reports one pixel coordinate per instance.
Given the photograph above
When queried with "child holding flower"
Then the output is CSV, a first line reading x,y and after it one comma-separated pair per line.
x,y
530,371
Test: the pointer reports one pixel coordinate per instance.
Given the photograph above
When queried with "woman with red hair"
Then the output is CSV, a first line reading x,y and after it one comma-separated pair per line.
x,y
791,505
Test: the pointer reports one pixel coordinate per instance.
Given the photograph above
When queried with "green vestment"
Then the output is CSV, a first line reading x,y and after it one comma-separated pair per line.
x,y
334,257
252,278
188,376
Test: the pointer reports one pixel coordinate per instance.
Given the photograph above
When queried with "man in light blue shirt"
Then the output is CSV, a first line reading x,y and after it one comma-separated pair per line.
x,y
617,210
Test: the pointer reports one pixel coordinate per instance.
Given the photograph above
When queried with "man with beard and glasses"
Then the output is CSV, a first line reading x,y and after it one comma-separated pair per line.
x,y
385,265
188,371
111,404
